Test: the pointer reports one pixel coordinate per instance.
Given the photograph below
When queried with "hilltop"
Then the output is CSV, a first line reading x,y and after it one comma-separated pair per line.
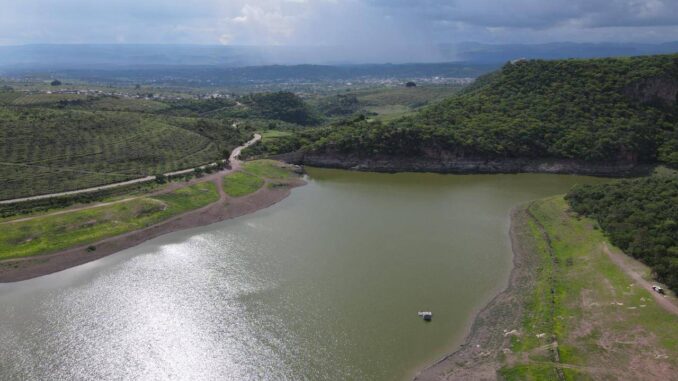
x,y
581,115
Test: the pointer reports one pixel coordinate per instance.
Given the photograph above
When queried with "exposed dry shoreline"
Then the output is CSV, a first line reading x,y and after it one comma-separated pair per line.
x,y
478,357
226,208
448,162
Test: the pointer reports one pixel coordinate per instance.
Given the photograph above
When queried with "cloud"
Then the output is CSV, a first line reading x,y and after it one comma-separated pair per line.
x,y
360,24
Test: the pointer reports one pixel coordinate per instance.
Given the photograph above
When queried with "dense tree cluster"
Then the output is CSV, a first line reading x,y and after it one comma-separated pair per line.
x,y
639,216
340,105
283,105
594,110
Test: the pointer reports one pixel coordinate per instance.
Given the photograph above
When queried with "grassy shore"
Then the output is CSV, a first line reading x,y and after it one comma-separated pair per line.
x,y
240,184
585,317
52,233
569,313
60,229
270,169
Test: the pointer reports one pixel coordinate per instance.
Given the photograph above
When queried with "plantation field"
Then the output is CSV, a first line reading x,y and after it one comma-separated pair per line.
x,y
127,104
46,99
604,326
52,233
387,103
48,150
406,96
8,97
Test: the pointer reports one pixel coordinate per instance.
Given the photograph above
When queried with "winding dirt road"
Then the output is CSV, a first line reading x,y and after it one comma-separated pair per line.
x,y
233,160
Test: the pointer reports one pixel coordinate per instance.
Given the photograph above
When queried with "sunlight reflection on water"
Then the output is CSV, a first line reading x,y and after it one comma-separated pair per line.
x,y
324,285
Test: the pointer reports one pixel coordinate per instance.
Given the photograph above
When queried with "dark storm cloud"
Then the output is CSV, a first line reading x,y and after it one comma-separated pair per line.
x,y
361,24
539,13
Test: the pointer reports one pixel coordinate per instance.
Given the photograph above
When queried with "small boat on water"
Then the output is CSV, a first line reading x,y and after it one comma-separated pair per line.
x,y
427,315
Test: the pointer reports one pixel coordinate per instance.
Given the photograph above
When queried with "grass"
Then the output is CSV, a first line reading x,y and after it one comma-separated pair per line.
x,y
270,169
389,112
48,234
601,322
274,134
240,184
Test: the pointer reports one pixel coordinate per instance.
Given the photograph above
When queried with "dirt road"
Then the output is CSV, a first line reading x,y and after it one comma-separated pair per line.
x,y
234,157
625,264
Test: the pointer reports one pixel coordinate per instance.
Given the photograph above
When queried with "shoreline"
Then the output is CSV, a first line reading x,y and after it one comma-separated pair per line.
x,y
477,357
20,269
448,163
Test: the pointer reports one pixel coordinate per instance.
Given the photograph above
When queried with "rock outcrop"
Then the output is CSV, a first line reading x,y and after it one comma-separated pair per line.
x,y
449,163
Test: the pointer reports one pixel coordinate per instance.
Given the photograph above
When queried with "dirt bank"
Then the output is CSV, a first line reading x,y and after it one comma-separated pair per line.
x,y
226,208
445,162
479,357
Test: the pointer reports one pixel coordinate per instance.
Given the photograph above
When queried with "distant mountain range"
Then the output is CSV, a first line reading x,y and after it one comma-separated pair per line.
x,y
485,53
41,57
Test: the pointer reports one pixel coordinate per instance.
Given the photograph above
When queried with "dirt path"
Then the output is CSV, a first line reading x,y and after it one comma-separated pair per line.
x,y
234,159
97,205
13,270
217,178
624,263
234,155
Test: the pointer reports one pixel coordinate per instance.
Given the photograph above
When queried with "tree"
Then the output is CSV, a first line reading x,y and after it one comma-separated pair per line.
x,y
410,84
160,179
56,82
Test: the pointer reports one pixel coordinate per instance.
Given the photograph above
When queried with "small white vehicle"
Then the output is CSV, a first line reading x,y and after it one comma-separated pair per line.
x,y
427,315
658,289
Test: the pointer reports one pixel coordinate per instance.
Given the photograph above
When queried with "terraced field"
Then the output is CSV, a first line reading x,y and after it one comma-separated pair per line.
x,y
46,99
48,150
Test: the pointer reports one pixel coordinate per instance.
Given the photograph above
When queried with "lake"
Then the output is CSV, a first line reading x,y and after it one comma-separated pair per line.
x,y
324,285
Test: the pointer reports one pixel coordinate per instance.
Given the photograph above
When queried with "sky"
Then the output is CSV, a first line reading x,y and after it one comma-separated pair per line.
x,y
357,23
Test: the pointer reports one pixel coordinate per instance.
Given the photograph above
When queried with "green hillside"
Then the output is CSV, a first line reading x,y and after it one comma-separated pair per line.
x,y
58,142
640,217
617,109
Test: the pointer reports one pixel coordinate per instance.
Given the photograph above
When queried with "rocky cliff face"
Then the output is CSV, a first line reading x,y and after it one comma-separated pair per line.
x,y
466,165
662,90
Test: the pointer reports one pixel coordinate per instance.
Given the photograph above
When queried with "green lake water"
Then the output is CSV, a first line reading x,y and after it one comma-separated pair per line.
x,y
324,285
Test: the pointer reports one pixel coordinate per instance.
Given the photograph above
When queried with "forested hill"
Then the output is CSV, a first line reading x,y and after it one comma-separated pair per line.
x,y
599,110
640,216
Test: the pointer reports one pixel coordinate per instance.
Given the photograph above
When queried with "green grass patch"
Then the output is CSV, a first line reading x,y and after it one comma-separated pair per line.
x,y
270,169
47,234
274,134
536,372
586,302
240,184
